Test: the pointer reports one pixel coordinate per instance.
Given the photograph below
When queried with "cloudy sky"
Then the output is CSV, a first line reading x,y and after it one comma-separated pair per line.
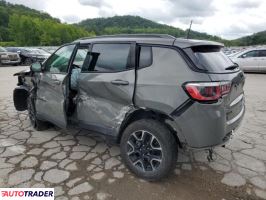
x,y
226,18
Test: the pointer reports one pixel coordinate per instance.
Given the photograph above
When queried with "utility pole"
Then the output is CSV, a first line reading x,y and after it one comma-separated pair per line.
x,y
188,32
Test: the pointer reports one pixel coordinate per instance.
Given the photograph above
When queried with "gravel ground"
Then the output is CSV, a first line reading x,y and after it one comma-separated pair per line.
x,y
80,165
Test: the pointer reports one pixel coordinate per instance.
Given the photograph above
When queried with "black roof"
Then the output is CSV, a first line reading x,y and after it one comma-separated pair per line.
x,y
161,39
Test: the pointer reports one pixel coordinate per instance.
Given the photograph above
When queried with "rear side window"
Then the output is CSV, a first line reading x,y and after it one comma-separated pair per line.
x,y
210,58
262,53
109,58
145,56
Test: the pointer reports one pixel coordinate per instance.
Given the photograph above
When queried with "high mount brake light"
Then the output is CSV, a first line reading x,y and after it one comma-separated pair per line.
x,y
207,91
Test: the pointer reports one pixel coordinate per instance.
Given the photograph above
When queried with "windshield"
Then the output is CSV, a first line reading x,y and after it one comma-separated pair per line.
x,y
211,58
2,49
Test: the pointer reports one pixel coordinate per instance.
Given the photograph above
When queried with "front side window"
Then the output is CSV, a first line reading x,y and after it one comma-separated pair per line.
x,y
250,54
108,58
59,61
80,57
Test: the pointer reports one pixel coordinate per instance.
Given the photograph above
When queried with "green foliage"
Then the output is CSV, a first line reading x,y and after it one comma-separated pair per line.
x,y
255,39
28,27
135,24
7,44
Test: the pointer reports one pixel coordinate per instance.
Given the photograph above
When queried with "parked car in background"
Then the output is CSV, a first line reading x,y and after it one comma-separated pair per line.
x,y
8,58
49,49
30,55
251,60
149,93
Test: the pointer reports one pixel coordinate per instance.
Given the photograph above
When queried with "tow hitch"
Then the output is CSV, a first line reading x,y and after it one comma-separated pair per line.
x,y
210,155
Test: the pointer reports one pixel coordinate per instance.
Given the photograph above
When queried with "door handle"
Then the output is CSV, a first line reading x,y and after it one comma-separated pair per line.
x,y
120,82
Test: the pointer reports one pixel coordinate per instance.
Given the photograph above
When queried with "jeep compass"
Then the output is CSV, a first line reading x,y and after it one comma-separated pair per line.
x,y
151,94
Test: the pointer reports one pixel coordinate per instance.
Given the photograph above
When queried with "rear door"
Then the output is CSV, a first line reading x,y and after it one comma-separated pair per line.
x,y
262,60
106,86
52,87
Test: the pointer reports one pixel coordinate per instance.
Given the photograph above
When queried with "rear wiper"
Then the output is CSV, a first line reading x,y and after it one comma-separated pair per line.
x,y
232,67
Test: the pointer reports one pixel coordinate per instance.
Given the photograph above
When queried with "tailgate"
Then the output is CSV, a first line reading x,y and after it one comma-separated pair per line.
x,y
234,101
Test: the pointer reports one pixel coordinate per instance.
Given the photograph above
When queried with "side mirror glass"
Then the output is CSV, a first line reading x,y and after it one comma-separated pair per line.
x,y
36,67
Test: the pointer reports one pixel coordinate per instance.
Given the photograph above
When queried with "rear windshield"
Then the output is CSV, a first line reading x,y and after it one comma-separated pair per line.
x,y
210,58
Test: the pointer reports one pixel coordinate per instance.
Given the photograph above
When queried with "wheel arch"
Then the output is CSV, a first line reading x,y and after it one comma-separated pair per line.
x,y
146,113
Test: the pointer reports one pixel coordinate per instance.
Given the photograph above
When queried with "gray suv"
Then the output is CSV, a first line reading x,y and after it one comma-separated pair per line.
x,y
152,94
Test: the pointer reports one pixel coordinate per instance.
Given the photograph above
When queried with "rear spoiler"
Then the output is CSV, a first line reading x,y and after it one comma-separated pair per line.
x,y
185,43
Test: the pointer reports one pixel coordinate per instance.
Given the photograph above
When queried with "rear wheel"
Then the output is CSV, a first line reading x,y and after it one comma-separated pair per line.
x,y
149,149
35,122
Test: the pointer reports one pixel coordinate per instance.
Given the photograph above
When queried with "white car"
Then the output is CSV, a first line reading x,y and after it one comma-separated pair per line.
x,y
251,60
8,58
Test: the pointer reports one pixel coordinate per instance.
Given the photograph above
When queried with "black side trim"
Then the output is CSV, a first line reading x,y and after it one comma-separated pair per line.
x,y
96,128
182,108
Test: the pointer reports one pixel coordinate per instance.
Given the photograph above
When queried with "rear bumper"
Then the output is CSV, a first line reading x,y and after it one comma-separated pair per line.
x,y
206,125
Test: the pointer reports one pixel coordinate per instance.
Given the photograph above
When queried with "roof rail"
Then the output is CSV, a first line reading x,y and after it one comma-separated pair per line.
x,y
166,36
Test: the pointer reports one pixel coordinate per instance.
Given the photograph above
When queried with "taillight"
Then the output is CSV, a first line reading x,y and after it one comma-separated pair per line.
x,y
207,91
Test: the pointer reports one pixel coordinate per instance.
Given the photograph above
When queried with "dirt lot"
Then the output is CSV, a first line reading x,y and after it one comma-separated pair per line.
x,y
80,165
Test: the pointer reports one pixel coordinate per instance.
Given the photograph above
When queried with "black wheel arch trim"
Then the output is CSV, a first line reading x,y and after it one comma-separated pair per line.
x,y
182,108
137,113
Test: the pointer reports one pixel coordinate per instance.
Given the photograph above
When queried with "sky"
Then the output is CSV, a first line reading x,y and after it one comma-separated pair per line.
x,y
228,19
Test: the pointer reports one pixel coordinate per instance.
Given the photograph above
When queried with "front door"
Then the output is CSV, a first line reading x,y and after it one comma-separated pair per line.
x,y
52,87
106,86
249,61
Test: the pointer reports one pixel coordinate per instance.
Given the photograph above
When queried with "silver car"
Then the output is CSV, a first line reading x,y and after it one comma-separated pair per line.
x,y
251,60
8,58
149,93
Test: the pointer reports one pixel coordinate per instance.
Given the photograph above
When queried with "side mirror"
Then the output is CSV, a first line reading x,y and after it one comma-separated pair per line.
x,y
18,52
36,67
244,56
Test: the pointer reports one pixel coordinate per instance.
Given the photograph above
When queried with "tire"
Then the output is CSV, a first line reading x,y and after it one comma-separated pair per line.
x,y
35,122
149,149
27,61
